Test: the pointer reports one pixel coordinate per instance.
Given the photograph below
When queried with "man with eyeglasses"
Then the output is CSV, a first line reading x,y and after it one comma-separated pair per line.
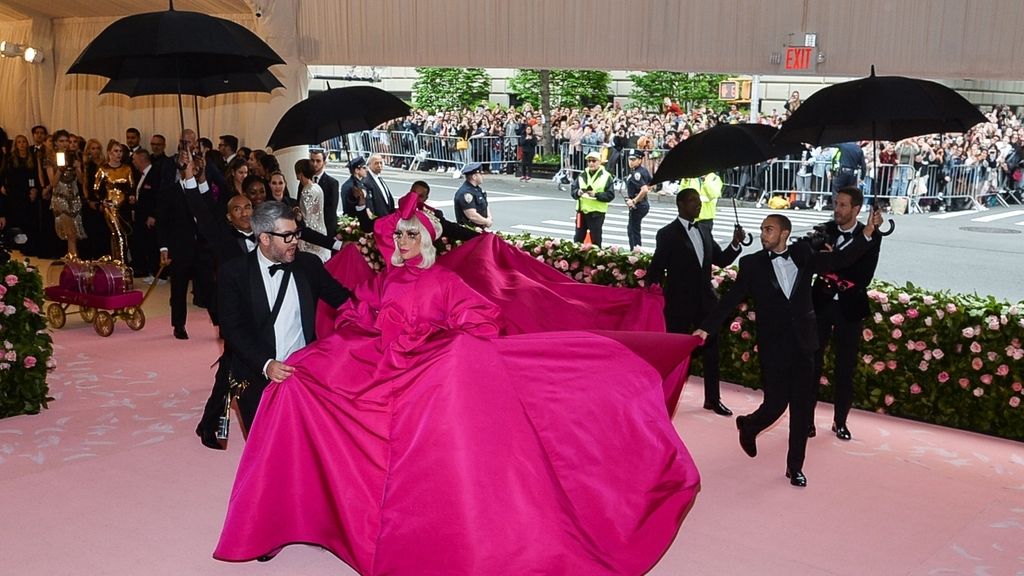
x,y
592,191
268,304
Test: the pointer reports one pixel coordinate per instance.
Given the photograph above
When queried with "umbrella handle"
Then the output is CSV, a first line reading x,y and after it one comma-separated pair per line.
x,y
892,228
748,240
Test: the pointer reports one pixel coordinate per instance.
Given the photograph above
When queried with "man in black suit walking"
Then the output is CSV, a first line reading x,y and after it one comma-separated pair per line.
x,y
682,262
268,304
778,279
379,199
329,185
841,304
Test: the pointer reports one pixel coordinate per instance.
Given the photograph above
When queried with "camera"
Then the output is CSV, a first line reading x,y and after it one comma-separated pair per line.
x,y
817,236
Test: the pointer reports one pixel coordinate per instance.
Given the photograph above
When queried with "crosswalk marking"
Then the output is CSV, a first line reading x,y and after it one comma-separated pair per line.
x,y
999,216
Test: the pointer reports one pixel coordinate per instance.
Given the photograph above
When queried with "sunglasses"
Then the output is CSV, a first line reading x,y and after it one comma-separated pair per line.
x,y
287,237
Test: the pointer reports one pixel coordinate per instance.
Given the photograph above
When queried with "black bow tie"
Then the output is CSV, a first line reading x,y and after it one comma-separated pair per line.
x,y
279,266
775,255
690,225
846,236
239,234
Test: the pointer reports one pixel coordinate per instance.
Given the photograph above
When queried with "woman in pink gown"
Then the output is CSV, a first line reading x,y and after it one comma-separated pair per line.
x,y
418,439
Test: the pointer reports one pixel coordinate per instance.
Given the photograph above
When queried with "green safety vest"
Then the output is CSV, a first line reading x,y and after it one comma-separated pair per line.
x,y
597,183
710,191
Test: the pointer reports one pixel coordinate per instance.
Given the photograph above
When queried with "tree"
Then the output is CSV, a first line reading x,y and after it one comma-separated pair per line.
x,y
687,88
567,87
440,89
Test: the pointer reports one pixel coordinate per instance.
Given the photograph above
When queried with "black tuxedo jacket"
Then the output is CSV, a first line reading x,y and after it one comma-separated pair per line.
x,y
175,226
782,323
853,301
689,295
332,195
376,199
147,198
245,312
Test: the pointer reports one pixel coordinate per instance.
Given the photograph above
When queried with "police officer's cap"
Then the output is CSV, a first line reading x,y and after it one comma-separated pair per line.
x,y
357,162
471,168
635,154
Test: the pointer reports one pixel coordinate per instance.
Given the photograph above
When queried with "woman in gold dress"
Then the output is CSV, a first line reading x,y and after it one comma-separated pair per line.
x,y
114,184
65,200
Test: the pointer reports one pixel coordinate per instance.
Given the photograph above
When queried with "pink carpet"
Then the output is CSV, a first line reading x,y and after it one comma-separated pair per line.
x,y
112,480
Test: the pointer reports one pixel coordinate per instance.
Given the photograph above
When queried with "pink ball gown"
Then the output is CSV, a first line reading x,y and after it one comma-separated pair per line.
x,y
422,436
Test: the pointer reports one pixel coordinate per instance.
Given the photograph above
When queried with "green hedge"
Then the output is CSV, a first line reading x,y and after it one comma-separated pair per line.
x,y
948,359
26,349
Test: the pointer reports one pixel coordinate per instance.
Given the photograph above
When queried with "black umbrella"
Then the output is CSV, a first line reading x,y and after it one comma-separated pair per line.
x,y
174,46
723,146
335,112
215,83
879,108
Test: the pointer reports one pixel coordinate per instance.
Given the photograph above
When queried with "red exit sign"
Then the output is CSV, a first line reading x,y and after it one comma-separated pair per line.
x,y
798,57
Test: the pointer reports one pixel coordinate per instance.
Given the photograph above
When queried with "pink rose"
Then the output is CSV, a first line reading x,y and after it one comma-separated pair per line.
x,y
735,327
745,335
11,356
823,381
904,298
3,290
751,316
30,305
868,358
968,332
986,379
891,364
878,366
943,377
29,362
928,300
938,354
868,334
889,399
745,356
951,308
11,279
897,334
920,345
975,348
1003,370
896,319
883,297
992,356
910,345
892,347
978,392
1017,386
563,265
964,383
639,272
915,389
923,366
928,355
743,307
976,363
1015,401
912,313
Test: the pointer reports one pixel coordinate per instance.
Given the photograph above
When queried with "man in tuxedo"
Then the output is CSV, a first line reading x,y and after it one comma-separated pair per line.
x,y
162,163
778,279
841,304
228,148
329,185
268,304
133,140
379,199
682,263
147,199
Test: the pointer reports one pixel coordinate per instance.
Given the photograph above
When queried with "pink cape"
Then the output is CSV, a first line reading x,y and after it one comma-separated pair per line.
x,y
415,439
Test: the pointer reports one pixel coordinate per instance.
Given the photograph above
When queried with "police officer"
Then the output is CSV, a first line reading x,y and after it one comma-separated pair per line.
x,y
593,192
470,200
637,187
353,195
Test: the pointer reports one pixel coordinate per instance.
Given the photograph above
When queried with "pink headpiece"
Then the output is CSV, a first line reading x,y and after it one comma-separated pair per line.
x,y
409,206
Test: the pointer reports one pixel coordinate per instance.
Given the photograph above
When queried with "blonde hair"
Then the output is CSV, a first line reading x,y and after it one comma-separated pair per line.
x,y
427,250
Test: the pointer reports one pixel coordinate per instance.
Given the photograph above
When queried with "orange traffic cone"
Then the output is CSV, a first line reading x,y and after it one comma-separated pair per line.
x,y
586,239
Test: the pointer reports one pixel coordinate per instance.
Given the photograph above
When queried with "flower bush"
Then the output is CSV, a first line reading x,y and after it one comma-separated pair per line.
x,y
26,350
948,359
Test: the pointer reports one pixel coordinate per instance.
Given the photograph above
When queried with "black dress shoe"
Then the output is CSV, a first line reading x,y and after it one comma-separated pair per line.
x,y
747,441
180,334
812,431
718,408
842,432
796,478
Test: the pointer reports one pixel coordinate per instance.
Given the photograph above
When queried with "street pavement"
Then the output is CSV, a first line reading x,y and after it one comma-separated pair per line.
x,y
967,251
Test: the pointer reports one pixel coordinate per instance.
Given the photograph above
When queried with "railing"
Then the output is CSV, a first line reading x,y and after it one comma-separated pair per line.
x,y
805,183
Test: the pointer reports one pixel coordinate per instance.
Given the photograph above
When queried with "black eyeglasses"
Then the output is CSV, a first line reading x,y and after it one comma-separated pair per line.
x,y
287,237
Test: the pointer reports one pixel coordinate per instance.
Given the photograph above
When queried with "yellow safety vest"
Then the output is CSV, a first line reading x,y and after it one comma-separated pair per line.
x,y
597,183
710,192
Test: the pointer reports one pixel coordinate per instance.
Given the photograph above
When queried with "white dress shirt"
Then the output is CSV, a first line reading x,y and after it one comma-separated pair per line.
x,y
695,238
288,335
786,272
389,199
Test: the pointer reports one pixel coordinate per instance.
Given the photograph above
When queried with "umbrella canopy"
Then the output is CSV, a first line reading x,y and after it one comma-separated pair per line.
x,y
723,146
211,85
174,44
879,108
335,112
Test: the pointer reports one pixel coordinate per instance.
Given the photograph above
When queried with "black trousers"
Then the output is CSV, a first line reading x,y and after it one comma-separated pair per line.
x,y
845,335
709,354
636,217
591,222
197,269
788,382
